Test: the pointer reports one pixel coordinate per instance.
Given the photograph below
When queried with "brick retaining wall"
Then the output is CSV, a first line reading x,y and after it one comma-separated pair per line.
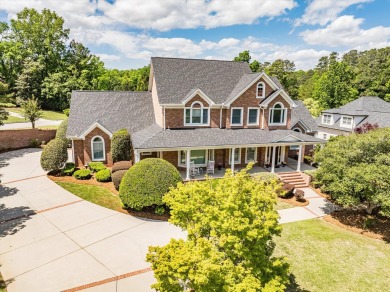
x,y
16,139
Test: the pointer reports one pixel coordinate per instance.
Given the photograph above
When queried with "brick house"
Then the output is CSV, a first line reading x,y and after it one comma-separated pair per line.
x,y
195,111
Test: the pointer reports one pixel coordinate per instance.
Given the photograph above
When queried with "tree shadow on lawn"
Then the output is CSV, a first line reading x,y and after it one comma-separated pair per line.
x,y
293,286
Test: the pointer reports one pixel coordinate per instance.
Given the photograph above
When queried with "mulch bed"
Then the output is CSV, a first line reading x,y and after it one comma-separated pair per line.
x,y
359,221
147,213
291,200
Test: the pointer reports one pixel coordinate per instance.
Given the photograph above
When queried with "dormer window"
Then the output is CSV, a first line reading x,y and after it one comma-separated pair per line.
x,y
327,119
278,114
196,115
260,90
346,122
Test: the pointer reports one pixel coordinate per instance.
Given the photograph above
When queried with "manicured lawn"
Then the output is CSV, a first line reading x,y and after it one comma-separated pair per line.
x,y
94,194
12,119
324,257
48,115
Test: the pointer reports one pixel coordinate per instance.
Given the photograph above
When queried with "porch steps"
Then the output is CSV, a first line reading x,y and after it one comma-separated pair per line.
x,y
298,179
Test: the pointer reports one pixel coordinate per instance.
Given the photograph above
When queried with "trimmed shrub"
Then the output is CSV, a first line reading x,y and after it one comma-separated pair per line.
x,y
286,191
120,145
54,155
69,168
66,111
96,166
34,143
117,177
103,175
61,131
121,165
160,210
299,195
82,174
145,183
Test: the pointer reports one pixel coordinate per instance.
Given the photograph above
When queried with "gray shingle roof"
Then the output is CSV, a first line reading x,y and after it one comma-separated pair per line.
x,y
176,78
301,113
176,138
114,110
245,80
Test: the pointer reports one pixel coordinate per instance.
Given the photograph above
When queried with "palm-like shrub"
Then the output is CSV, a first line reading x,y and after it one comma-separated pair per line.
x,y
147,182
120,145
54,155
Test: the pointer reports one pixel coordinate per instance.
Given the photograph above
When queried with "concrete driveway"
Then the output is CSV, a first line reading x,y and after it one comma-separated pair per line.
x,y
50,240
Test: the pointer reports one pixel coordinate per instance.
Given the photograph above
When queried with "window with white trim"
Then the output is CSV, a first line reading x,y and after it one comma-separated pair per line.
x,y
236,116
196,115
327,119
325,136
250,155
199,157
260,90
278,114
97,149
253,116
346,122
237,156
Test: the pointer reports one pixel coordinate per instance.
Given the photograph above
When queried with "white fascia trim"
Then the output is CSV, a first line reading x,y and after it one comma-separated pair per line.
x,y
289,135
283,94
201,94
303,125
265,77
93,126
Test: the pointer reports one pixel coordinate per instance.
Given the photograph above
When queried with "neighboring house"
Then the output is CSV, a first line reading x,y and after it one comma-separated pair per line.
x,y
343,120
195,111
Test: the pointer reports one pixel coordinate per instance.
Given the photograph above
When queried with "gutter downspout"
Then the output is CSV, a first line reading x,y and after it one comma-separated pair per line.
x,y
220,117
164,116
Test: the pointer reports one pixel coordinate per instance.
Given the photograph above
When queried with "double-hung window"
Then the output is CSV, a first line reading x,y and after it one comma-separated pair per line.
x,y
260,90
278,115
98,149
236,116
197,115
327,119
253,116
237,156
346,122
250,155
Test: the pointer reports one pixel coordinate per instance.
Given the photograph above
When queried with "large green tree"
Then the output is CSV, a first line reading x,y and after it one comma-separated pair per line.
x,y
355,170
230,225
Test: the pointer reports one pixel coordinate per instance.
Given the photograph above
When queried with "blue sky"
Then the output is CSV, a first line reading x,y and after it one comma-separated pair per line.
x,y
126,33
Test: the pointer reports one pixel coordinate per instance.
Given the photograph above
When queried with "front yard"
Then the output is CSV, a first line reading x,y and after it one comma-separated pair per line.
x,y
48,115
324,257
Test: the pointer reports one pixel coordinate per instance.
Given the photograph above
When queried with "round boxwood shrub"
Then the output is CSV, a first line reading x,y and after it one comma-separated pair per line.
x,y
96,166
117,177
120,145
54,155
82,174
103,175
69,168
121,165
146,182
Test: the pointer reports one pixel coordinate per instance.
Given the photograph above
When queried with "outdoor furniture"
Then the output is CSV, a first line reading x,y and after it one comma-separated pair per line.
x,y
193,169
210,167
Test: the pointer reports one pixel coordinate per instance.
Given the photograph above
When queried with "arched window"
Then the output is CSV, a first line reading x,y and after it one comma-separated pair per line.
x,y
278,114
98,149
260,90
297,130
196,114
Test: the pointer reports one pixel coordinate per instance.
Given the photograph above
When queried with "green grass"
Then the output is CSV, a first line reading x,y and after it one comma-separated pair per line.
x,y
94,194
12,119
324,257
48,115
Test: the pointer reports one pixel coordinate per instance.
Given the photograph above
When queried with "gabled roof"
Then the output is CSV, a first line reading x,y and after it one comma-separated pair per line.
x,y
301,114
195,92
281,92
175,78
112,110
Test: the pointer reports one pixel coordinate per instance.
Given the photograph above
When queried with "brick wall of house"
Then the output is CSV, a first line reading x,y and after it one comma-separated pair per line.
x,y
171,156
197,98
16,139
299,127
83,150
174,118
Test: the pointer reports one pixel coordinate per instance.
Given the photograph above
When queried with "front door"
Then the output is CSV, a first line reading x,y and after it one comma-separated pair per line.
x,y
279,155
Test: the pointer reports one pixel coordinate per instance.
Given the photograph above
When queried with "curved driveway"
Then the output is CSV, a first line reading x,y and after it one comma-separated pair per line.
x,y
50,240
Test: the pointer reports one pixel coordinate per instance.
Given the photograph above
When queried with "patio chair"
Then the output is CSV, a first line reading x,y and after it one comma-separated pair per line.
x,y
210,167
193,170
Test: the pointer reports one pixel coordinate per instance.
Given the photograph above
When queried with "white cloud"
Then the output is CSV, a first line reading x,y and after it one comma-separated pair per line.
x,y
346,31
323,11
108,57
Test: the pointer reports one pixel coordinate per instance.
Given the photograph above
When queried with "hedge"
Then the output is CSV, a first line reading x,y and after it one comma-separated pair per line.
x,y
121,165
145,183
117,177
54,155
96,166
82,174
120,145
103,175
61,131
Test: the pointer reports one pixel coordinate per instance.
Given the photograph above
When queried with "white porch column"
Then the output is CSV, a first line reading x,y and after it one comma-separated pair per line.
x,y
161,155
273,159
137,156
299,158
188,162
232,159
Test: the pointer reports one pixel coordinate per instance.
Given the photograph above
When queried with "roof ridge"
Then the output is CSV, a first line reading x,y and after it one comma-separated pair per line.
x,y
109,91
194,59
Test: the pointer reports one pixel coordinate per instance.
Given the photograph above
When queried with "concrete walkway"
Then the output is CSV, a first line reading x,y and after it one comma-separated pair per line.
x,y
27,125
51,240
